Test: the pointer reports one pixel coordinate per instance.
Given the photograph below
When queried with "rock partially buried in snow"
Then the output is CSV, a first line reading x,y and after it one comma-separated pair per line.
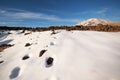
x,y
27,33
25,57
42,52
27,44
49,62
51,43
54,37
53,32
1,61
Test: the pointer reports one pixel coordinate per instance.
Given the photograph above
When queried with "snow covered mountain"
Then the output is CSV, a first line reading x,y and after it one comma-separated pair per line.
x,y
67,55
94,22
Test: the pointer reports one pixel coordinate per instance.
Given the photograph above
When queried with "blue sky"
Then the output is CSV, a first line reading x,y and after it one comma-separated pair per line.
x,y
44,13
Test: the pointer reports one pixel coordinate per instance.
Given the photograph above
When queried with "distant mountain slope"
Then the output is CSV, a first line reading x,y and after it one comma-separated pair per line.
x,y
114,23
97,21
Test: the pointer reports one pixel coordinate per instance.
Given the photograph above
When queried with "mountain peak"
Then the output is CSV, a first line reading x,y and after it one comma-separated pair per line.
x,y
93,22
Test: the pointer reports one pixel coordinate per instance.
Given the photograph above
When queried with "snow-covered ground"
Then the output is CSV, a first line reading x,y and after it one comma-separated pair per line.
x,y
78,55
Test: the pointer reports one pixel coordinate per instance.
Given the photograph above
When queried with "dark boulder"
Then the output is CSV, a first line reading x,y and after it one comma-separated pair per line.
x,y
49,61
42,52
27,44
25,57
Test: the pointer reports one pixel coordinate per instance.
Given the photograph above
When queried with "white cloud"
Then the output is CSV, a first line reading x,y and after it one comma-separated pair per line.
x,y
30,15
102,11
5,23
22,14
14,9
2,11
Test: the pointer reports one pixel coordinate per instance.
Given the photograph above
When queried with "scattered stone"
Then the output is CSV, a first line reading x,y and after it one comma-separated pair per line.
x,y
36,43
25,57
27,33
46,46
27,44
49,61
1,62
29,48
42,52
23,31
51,43
53,32
9,33
54,37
